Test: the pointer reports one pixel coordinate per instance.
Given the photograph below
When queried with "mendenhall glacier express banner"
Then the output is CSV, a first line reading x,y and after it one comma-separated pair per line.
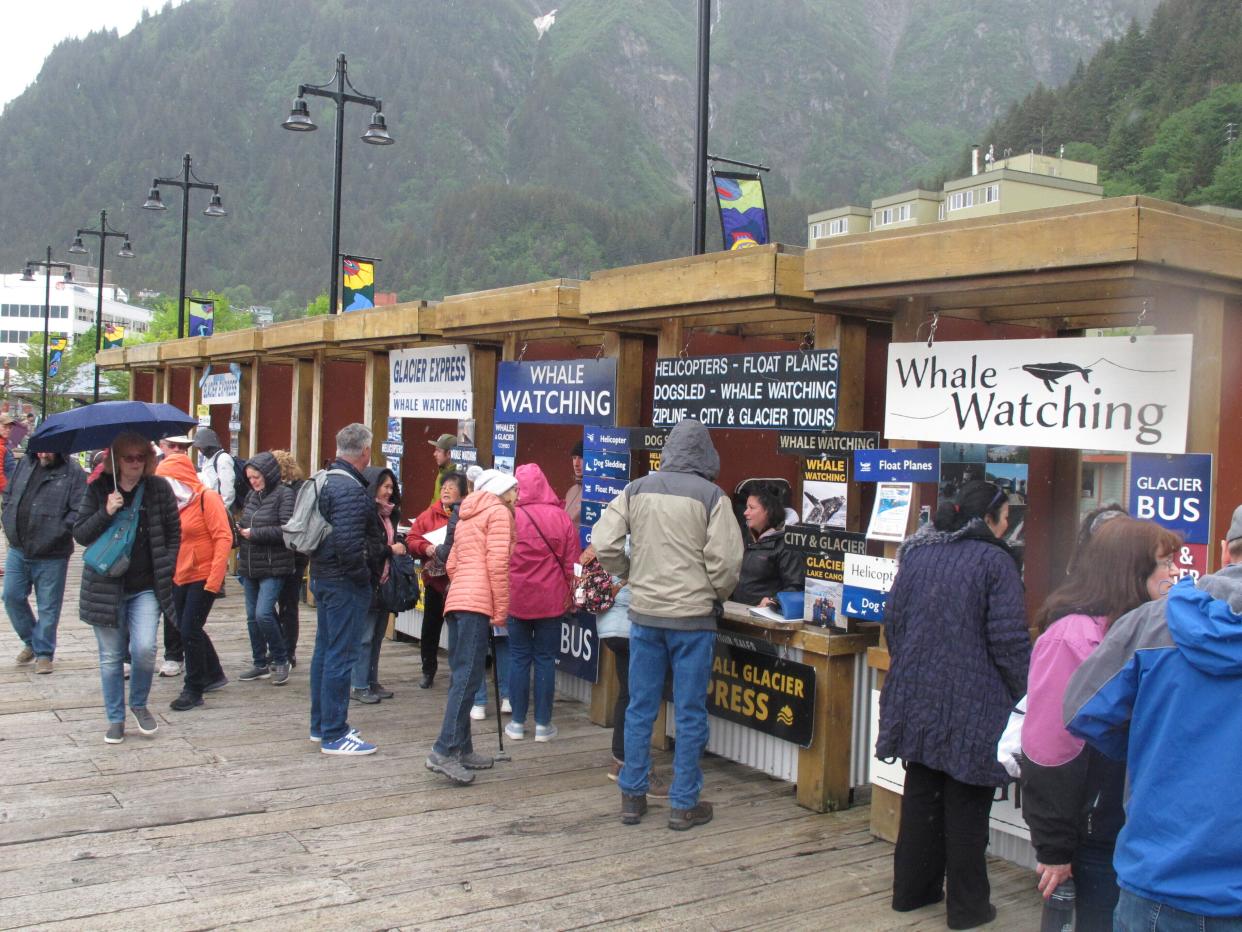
x,y
1096,393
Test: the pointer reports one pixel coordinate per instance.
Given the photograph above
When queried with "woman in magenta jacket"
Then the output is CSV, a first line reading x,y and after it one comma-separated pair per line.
x,y
541,574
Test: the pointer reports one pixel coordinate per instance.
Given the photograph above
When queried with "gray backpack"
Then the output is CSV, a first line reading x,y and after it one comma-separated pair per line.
x,y
307,527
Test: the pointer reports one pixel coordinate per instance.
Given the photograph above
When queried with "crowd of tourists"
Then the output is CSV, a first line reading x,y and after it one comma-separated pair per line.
x,y
1121,722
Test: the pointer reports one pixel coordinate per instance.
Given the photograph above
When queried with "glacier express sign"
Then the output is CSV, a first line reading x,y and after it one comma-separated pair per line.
x,y
1102,393
431,381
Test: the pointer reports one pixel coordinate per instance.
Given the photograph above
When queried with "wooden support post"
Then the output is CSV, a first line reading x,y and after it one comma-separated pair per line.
x,y
823,770
301,409
483,361
196,373
160,384
247,440
316,415
375,401
848,336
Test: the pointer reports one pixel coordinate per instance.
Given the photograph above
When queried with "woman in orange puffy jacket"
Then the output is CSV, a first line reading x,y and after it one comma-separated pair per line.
x,y
202,561
478,595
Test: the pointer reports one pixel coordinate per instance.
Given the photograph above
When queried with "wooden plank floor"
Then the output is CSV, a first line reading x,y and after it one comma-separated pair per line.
x,y
230,818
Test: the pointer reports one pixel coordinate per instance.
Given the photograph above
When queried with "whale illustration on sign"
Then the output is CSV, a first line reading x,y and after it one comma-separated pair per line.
x,y
1049,372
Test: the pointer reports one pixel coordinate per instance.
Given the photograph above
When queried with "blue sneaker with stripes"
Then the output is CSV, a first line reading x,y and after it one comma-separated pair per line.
x,y
350,743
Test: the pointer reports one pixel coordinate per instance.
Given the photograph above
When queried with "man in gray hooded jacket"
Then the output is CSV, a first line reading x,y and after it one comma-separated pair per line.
x,y
685,558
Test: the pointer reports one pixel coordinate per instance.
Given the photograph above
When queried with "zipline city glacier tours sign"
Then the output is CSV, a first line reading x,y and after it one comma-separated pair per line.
x,y
430,381
1100,393
794,391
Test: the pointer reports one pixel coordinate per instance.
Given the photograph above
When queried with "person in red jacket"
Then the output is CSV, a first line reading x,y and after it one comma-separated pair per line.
x,y
435,578
541,573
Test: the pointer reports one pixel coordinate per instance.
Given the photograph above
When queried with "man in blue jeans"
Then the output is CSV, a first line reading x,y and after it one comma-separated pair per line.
x,y
40,507
684,561
341,579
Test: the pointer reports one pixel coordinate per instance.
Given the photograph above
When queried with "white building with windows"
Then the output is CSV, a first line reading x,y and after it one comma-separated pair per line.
x,y
72,309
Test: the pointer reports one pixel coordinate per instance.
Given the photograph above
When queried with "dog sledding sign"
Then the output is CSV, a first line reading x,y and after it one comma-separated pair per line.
x,y
1098,393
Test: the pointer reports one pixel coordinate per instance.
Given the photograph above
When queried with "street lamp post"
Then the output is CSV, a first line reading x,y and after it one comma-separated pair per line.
x,y
186,183
377,135
125,252
28,276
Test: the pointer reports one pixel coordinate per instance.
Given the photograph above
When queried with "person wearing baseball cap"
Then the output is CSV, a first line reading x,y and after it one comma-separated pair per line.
x,y
573,495
443,455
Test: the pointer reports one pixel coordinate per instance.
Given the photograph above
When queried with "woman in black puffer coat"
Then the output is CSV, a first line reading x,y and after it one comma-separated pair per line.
x,y
768,566
264,563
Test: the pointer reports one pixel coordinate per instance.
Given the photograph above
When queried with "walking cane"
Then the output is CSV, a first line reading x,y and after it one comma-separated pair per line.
x,y
500,728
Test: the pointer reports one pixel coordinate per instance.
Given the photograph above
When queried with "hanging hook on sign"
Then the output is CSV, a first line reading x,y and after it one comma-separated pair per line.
x,y
808,342
931,333
1138,322
522,353
685,350
600,352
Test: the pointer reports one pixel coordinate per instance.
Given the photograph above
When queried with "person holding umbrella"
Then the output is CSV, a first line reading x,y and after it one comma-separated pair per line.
x,y
124,608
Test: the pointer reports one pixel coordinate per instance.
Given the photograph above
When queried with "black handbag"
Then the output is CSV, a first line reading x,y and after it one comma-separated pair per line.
x,y
400,591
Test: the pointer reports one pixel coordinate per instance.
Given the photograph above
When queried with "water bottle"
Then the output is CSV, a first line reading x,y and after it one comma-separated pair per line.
x,y
1059,908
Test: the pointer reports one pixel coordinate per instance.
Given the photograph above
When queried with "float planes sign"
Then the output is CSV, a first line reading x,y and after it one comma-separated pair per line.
x,y
1101,393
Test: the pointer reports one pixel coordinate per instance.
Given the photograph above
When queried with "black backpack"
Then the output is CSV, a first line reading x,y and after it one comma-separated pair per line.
x,y
241,485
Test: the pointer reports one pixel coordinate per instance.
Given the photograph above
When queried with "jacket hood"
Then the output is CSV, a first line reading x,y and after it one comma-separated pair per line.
x,y
476,503
1205,621
689,449
976,529
268,467
375,475
177,466
533,487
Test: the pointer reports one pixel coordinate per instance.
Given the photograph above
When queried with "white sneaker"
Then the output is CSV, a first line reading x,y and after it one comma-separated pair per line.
x,y
478,712
505,708
125,667
515,731
170,668
545,732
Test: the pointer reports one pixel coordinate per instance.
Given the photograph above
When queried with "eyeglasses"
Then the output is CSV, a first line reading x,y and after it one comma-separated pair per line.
x,y
133,457
1168,563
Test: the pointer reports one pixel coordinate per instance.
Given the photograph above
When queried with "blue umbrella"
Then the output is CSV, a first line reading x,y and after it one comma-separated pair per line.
x,y
93,427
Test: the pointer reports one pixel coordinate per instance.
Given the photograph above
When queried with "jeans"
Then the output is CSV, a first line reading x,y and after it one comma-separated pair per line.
x,y
433,624
620,648
267,645
1138,914
47,579
942,846
339,604
1096,883
202,666
467,661
653,651
534,642
174,649
370,639
502,671
137,622
287,611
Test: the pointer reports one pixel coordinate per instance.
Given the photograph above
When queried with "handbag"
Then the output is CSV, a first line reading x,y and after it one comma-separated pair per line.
x,y
399,592
109,554
594,591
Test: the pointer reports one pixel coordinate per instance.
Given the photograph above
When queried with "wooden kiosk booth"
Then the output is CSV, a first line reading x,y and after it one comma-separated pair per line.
x,y
1131,269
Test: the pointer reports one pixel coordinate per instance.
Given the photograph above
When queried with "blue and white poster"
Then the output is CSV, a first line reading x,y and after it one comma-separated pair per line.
x,y
896,465
867,580
574,391
578,651
504,446
1175,491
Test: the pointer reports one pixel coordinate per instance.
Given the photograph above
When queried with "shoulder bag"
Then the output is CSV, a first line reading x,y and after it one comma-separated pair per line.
x,y
109,554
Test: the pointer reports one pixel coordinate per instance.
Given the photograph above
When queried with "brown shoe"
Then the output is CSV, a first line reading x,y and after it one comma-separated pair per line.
x,y
633,808
43,665
25,655
614,770
657,786
682,819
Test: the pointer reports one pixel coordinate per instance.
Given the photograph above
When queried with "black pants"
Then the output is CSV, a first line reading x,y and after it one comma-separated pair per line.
x,y
943,839
174,644
287,612
620,648
202,666
433,624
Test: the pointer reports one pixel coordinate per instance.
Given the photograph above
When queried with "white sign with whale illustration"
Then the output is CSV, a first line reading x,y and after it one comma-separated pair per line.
x,y
1101,393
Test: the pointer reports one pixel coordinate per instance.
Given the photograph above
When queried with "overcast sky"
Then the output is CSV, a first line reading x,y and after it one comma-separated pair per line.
x,y
32,27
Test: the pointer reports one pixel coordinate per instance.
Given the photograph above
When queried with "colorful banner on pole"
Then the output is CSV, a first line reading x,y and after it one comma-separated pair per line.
x,y
202,317
56,351
113,336
743,211
358,283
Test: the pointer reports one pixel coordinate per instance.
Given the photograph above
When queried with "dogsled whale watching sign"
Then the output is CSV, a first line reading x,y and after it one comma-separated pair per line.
x,y
431,381
795,390
570,391
1102,393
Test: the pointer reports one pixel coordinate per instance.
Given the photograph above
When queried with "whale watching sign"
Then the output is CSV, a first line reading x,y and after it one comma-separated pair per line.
x,y
1101,393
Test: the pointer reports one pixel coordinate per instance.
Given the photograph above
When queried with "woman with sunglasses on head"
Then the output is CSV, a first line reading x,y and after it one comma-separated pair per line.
x,y
1072,794
125,609
958,649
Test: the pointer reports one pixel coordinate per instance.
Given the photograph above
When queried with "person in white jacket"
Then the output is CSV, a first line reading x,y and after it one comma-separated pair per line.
x,y
216,472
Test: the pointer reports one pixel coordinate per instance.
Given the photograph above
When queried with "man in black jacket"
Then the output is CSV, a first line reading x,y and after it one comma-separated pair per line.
x,y
341,583
40,508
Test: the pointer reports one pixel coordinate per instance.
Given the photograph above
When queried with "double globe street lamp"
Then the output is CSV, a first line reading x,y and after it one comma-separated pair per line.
x,y
125,252
187,182
299,121
28,276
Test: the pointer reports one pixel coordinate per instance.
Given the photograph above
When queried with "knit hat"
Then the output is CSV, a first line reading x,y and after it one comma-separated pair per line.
x,y
206,439
444,441
494,481
577,450
472,474
1235,528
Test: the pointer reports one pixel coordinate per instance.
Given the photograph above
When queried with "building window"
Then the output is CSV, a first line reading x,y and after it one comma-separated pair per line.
x,y
959,200
903,213
940,210
991,193
838,226
883,217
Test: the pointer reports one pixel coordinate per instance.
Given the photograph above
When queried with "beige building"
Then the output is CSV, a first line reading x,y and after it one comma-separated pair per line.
x,y
908,209
840,221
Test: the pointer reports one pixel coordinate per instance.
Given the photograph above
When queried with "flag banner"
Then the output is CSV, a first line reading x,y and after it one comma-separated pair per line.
x,y
113,336
202,317
743,211
358,283
56,351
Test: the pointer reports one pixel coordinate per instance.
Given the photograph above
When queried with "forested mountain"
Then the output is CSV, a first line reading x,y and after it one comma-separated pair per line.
x,y
1152,108
517,156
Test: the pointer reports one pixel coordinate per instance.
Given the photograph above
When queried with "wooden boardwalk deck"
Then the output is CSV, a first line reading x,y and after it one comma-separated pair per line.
x,y
229,817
